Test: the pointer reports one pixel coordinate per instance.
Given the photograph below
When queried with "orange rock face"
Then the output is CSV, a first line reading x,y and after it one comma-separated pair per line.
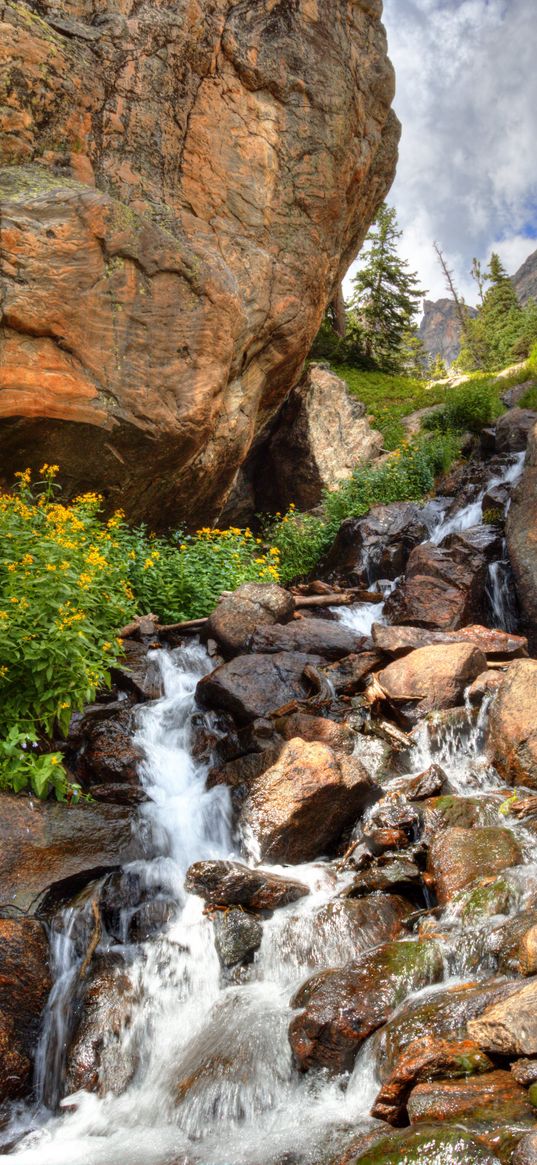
x,y
182,186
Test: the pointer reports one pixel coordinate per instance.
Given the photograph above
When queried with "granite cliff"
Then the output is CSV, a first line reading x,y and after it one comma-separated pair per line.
x,y
182,186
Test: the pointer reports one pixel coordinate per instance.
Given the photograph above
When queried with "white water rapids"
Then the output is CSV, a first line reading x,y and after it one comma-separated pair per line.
x,y
212,1078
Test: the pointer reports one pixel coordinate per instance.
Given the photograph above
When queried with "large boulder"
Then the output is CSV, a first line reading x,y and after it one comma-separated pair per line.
x,y
431,678
513,728
160,295
340,1008
49,849
443,587
238,615
332,640
513,430
253,686
321,435
299,806
96,1058
521,530
25,982
494,644
433,1144
232,884
509,1026
429,1058
377,546
493,1098
458,856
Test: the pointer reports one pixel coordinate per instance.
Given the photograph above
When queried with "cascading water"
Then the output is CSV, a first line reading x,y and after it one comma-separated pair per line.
x,y
204,1072
214,1078
360,616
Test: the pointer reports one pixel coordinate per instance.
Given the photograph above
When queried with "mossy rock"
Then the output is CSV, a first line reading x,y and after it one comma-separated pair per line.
x,y
429,1145
486,899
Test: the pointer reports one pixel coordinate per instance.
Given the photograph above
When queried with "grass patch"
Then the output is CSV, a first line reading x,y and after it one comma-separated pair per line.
x,y
390,398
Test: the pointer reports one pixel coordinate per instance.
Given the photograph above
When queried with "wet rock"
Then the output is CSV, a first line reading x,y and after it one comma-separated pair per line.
x,y
49,851
509,1027
487,684
513,430
443,1014
392,822
458,856
495,501
424,785
342,1007
431,678
243,770
338,737
443,588
150,919
137,671
377,546
452,811
526,1151
237,936
238,1049
494,1098
97,1060
423,1060
521,531
348,676
320,436
401,640
25,983
524,1072
431,1145
487,898
300,806
513,730
400,874
310,636
112,794
237,616
342,927
254,686
109,754
231,884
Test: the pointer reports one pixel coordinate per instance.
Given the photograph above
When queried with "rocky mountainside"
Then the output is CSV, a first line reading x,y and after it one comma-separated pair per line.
x,y
440,328
183,187
525,279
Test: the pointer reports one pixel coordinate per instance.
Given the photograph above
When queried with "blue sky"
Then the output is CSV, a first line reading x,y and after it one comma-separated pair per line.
x,y
467,98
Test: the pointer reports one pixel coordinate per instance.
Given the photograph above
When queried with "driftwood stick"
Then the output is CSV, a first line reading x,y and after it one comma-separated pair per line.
x,y
337,599
188,625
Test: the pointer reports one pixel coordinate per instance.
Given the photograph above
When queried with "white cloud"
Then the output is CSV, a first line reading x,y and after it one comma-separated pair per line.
x,y
467,98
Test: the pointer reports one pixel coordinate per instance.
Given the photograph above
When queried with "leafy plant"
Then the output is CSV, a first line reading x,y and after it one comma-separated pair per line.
x,y
469,406
183,577
21,767
300,539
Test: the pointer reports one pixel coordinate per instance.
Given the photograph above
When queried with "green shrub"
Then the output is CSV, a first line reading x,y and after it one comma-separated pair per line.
x,y
469,406
300,540
184,576
408,475
68,581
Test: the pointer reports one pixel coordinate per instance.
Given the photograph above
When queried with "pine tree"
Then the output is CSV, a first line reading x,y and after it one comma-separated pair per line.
x,y
499,322
437,368
386,295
